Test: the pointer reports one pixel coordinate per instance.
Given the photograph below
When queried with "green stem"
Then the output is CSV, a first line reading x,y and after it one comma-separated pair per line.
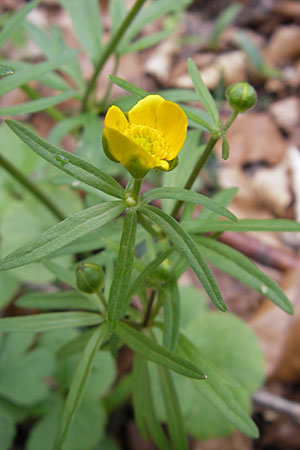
x,y
202,160
52,112
111,45
15,172
149,308
110,83
136,188
102,299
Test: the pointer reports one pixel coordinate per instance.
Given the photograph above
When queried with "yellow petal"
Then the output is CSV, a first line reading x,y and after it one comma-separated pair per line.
x,y
115,119
172,122
136,160
144,112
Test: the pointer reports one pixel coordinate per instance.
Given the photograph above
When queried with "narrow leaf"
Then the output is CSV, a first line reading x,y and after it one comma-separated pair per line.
x,y
13,23
203,92
48,322
138,392
225,149
61,234
35,71
187,196
122,274
78,385
129,87
171,306
156,353
36,105
4,71
50,301
223,197
173,410
240,267
145,42
186,246
242,225
65,161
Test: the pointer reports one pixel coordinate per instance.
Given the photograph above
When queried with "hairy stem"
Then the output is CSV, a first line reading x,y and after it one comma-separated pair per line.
x,y
111,45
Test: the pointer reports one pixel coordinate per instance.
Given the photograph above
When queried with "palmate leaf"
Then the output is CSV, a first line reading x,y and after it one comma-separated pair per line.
x,y
78,384
48,322
65,161
156,353
239,266
186,246
61,234
120,282
36,105
187,196
15,20
203,226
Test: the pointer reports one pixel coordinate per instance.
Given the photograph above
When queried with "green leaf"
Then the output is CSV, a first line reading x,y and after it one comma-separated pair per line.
x,y
122,274
13,23
9,287
145,42
198,117
173,410
78,384
47,322
186,246
144,409
4,71
171,306
35,71
242,225
251,49
52,44
7,429
87,24
187,196
226,17
223,197
129,87
36,105
225,149
156,353
23,370
61,234
117,12
67,162
50,301
240,267
75,345
203,93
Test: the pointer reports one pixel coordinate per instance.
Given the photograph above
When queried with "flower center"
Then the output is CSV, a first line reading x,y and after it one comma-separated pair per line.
x,y
150,140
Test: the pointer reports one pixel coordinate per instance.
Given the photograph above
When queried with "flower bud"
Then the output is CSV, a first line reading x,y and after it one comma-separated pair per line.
x,y
89,278
241,96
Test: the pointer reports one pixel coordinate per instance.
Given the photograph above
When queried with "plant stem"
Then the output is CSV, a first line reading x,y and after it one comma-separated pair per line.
x,y
52,112
102,299
136,188
15,172
110,83
111,45
202,160
149,308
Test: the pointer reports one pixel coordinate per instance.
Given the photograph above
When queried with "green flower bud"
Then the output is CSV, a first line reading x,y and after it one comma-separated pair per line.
x,y
241,96
89,278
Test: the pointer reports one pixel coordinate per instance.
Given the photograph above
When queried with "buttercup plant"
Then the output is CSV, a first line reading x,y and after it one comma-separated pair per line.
x,y
127,257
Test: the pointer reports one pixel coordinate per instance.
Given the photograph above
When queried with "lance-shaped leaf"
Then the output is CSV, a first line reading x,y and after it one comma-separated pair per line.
x,y
36,105
204,226
173,410
156,353
4,71
65,161
171,306
186,246
239,266
204,94
122,274
63,300
33,72
187,196
61,234
13,23
78,384
48,322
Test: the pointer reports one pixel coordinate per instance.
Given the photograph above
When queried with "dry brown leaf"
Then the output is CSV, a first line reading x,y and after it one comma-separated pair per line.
x,y
160,62
236,441
284,45
273,327
286,113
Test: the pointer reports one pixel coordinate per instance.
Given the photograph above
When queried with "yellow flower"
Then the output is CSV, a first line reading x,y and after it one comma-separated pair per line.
x,y
149,136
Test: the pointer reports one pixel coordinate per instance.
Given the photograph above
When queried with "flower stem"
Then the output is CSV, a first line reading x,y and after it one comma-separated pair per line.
x,y
202,160
102,299
111,45
15,172
136,188
149,308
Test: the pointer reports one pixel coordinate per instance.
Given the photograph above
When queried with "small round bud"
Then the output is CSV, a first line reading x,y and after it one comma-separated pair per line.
x,y
241,96
89,278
